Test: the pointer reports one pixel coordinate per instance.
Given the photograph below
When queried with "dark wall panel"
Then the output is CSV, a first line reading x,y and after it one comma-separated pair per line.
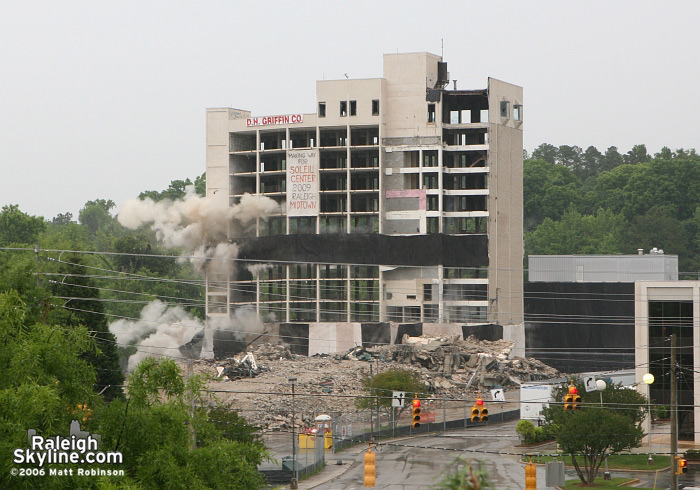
x,y
483,332
412,329
434,249
227,344
375,334
296,335
580,326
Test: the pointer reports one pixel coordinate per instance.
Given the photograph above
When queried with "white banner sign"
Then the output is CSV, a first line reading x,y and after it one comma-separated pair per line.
x,y
302,183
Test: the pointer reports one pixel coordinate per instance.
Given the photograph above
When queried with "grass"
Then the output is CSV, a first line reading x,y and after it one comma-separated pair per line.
x,y
600,483
615,461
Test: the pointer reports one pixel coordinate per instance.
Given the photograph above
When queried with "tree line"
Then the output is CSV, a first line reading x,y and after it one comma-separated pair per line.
x,y
588,202
61,362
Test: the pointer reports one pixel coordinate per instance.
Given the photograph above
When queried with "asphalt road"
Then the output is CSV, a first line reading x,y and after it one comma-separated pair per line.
x,y
400,466
403,467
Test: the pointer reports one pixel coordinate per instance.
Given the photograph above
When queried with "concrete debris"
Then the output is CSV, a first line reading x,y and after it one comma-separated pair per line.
x,y
450,366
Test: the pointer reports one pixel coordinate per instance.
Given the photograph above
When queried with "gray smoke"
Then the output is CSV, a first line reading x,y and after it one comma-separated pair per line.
x,y
200,227
160,330
197,225
257,269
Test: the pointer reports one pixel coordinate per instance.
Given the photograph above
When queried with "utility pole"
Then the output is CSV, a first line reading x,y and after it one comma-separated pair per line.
x,y
674,415
293,484
371,392
189,376
379,417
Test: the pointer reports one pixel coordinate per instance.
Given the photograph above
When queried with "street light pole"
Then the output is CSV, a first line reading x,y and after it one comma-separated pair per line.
x,y
648,378
601,385
293,483
674,415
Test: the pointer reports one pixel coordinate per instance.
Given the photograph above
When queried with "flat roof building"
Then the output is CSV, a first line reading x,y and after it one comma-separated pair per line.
x,y
401,203
654,266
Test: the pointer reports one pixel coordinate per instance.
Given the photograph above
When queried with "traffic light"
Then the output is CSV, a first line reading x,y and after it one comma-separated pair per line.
x,y
475,413
572,400
682,466
483,411
415,414
530,476
479,411
370,468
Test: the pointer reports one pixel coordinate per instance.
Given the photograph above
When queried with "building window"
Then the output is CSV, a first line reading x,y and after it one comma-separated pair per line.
x,y
430,181
431,113
431,313
432,225
343,108
505,108
353,108
427,292
375,107
518,112
321,109
432,203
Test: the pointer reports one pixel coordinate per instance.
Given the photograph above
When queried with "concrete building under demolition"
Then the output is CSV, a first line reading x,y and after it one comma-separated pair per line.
x,y
401,203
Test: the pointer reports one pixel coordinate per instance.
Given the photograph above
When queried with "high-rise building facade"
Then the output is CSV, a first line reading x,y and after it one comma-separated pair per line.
x,y
401,201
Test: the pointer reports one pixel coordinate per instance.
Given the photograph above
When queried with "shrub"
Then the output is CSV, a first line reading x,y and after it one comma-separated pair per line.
x,y
527,431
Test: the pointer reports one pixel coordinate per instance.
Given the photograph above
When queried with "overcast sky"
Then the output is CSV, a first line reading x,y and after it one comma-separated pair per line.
x,y
102,100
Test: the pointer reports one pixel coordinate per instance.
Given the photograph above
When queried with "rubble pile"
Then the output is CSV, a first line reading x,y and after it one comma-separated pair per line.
x,y
258,385
452,356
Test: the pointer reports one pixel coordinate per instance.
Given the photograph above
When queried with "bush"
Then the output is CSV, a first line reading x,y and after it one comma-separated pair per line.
x,y
530,434
662,412
383,384
527,431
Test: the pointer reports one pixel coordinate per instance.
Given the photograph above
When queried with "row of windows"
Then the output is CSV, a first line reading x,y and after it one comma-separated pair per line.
x,y
344,108
327,224
330,311
456,226
303,290
504,106
517,110
431,313
267,272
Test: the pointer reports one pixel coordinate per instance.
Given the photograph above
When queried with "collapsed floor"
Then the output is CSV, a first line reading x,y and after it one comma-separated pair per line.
x,y
453,368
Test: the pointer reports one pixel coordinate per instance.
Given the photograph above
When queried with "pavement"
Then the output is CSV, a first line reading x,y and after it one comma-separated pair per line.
x,y
332,470
337,464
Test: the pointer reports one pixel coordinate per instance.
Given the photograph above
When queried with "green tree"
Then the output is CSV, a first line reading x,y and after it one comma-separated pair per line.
x,y
383,384
548,191
62,218
44,380
96,215
81,303
545,152
592,161
167,445
577,234
664,154
612,159
177,189
200,185
596,430
570,157
18,227
638,154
